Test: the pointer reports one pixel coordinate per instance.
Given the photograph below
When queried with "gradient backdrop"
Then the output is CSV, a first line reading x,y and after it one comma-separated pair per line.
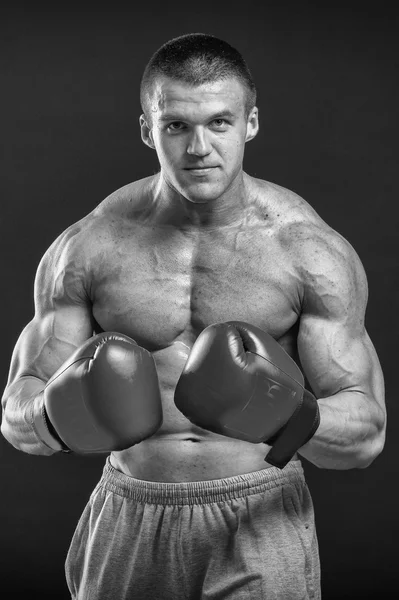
x,y
328,98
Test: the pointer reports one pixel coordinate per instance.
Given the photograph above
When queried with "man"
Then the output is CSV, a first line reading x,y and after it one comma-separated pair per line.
x,y
210,294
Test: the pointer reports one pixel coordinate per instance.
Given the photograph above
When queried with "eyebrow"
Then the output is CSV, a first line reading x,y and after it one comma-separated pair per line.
x,y
218,115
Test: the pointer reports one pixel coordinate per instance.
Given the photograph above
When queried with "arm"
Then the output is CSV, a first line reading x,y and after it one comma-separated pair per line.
x,y
62,322
338,357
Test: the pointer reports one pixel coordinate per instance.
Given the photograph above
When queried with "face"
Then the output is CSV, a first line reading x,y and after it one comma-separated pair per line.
x,y
199,134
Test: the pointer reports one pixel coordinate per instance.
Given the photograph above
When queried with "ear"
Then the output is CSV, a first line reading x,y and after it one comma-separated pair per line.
x,y
252,124
146,133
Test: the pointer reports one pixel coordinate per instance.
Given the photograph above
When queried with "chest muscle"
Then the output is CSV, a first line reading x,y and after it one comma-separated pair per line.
x,y
159,290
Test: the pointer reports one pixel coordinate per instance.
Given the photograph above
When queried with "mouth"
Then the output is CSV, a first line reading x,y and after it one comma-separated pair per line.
x,y
200,170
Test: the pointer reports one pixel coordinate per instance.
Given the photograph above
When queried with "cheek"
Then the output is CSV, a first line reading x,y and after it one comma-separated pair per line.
x,y
232,149
169,150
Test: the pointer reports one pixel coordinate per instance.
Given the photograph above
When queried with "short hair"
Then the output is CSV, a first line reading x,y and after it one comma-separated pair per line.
x,y
197,58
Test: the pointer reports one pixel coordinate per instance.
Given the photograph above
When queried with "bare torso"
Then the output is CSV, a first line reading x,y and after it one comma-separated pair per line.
x,y
162,285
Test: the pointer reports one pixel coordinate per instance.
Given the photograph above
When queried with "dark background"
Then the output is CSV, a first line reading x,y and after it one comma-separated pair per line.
x,y
328,95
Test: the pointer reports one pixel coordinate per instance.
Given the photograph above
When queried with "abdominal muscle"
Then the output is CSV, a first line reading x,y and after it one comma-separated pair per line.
x,y
182,458
180,451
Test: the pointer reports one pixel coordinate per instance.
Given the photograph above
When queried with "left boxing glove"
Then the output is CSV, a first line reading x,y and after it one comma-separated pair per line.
x,y
239,382
105,397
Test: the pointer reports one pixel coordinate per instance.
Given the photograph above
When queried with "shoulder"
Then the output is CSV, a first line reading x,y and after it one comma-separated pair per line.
x,y
68,242
332,275
62,271
285,212
321,258
71,252
301,232
81,238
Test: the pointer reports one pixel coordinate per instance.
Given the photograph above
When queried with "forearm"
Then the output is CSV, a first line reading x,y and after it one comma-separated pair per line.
x,y
23,423
350,434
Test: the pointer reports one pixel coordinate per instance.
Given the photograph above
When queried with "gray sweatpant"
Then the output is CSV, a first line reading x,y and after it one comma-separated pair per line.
x,y
251,536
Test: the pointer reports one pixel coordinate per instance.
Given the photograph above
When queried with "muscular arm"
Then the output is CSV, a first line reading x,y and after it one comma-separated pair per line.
x,y
62,321
338,357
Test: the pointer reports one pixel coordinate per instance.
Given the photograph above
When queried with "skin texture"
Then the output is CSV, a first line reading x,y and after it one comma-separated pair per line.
x,y
164,257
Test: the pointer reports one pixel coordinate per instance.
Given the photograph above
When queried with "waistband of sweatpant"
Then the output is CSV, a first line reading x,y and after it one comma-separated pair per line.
x,y
199,492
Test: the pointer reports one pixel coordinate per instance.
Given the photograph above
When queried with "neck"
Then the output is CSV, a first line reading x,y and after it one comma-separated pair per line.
x,y
228,210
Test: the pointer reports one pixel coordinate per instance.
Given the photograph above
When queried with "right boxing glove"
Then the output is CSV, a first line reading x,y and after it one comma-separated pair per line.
x,y
105,397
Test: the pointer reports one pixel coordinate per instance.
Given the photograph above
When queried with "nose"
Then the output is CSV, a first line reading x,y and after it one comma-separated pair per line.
x,y
199,144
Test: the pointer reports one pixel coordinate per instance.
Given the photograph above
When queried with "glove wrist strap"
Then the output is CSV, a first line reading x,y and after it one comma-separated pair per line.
x,y
40,425
300,428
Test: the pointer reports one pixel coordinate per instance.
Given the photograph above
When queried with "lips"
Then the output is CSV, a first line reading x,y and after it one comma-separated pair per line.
x,y
200,171
200,168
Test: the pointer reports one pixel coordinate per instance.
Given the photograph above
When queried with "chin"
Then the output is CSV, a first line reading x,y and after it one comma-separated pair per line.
x,y
201,194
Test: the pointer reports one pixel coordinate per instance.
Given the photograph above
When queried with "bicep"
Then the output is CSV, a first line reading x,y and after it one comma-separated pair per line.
x,y
335,357
46,342
62,321
334,348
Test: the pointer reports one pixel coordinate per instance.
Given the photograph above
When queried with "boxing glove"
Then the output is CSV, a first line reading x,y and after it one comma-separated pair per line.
x,y
105,397
239,382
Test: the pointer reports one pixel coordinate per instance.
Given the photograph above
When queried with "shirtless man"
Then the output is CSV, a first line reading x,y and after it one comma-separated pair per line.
x,y
187,513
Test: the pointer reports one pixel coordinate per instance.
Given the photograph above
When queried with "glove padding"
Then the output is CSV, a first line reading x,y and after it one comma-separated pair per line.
x,y
105,397
239,382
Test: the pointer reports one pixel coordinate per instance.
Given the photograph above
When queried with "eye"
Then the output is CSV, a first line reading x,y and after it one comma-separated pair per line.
x,y
220,123
175,126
